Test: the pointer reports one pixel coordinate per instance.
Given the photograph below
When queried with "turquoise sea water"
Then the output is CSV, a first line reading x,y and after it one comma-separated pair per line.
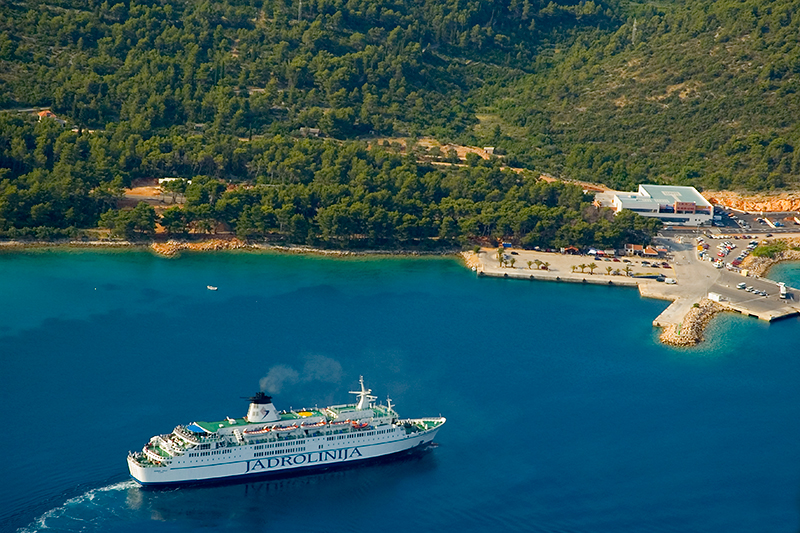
x,y
564,413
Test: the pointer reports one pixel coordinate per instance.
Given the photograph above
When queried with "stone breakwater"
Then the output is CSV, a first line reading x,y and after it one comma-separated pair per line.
x,y
690,331
171,248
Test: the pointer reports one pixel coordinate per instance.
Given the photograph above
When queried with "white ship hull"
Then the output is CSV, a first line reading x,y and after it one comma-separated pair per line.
x,y
298,456
271,443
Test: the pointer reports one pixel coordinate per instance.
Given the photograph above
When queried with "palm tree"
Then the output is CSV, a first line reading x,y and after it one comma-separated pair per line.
x,y
627,270
512,261
591,267
609,269
573,268
538,264
529,264
582,266
500,257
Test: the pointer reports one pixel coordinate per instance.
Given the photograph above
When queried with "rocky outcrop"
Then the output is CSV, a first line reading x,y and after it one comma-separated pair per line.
x,y
690,331
758,266
756,203
471,259
171,248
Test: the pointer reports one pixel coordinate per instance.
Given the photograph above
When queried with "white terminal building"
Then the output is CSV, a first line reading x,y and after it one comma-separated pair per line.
x,y
672,204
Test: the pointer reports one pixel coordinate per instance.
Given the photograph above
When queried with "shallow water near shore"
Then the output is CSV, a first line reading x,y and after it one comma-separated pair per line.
x,y
564,412
787,271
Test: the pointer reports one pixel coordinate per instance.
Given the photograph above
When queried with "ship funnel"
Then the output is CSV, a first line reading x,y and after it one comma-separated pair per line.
x,y
261,409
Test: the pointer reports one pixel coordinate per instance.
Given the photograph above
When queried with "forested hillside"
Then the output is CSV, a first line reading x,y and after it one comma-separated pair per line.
x,y
691,92
218,92
242,66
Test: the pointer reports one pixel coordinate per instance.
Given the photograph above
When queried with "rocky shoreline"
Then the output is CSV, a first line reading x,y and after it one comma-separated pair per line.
x,y
759,266
471,259
690,331
172,248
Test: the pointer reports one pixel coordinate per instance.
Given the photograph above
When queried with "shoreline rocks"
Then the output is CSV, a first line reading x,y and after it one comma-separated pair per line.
x,y
690,331
472,260
759,266
172,248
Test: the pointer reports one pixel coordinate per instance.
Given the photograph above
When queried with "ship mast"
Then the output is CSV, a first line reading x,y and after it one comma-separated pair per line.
x,y
364,397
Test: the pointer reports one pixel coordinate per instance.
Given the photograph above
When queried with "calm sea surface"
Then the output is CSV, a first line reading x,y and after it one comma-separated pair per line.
x,y
564,413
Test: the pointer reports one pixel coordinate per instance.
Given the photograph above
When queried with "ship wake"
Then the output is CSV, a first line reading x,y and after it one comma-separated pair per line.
x,y
80,512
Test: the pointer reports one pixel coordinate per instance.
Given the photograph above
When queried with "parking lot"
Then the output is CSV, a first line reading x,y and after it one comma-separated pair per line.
x,y
775,223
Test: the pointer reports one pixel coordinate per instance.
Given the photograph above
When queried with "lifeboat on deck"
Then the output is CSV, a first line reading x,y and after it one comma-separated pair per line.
x,y
311,427
285,428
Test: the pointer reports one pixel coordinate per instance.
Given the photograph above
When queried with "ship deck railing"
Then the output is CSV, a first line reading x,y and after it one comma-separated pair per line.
x,y
184,433
325,430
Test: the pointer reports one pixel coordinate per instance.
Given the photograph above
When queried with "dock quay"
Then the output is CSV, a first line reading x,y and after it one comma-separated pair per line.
x,y
696,282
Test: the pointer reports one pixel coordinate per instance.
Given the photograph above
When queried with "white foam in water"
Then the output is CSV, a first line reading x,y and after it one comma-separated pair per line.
x,y
64,521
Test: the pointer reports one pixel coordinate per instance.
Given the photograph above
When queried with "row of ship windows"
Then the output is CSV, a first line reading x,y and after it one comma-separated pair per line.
x,y
273,452
215,452
278,444
352,435
293,441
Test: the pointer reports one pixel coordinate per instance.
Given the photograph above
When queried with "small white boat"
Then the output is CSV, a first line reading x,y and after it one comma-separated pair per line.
x,y
211,287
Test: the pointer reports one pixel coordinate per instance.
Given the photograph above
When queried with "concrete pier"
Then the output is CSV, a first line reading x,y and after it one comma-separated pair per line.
x,y
695,280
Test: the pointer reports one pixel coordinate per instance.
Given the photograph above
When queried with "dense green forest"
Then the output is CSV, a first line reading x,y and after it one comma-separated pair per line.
x,y
308,191
698,93
702,93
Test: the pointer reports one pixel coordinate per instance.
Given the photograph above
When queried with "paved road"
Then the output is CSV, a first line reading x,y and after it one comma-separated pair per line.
x,y
697,278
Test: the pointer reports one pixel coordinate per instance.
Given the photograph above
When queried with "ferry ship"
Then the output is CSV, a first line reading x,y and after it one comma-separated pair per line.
x,y
267,442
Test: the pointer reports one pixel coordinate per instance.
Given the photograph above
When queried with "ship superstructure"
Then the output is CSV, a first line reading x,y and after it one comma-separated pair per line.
x,y
267,441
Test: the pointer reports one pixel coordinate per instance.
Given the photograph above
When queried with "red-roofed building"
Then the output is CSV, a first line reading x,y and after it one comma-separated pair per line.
x,y
650,252
49,114
634,249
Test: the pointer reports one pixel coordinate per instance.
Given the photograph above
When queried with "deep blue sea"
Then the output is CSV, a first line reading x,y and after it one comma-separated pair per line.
x,y
564,412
